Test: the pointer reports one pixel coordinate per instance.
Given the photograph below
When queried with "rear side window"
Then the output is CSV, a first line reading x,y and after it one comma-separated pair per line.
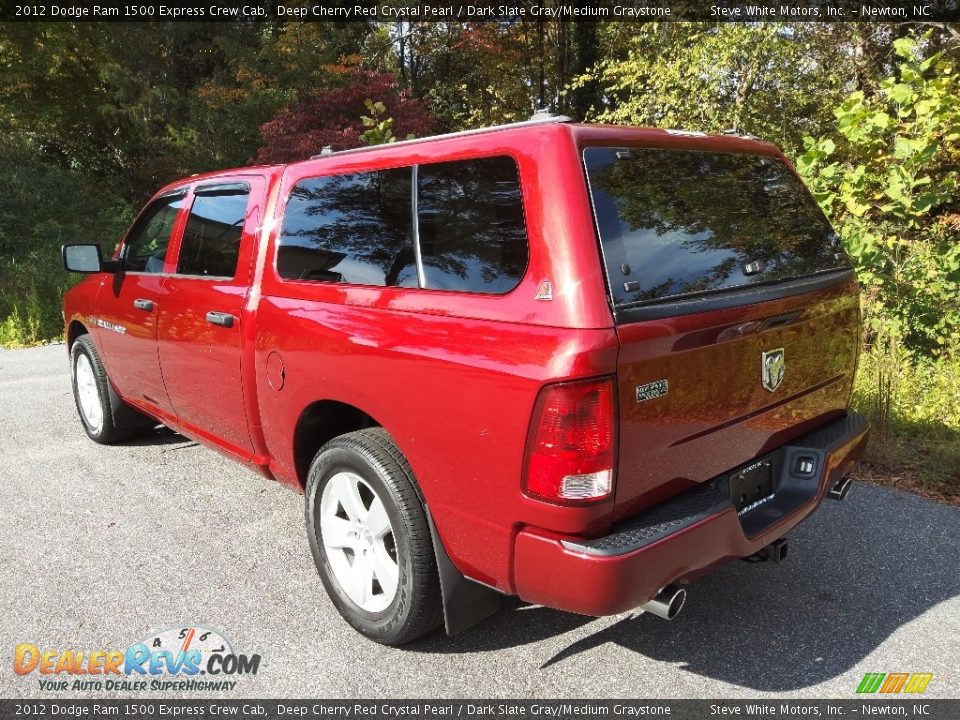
x,y
471,227
353,228
146,245
681,222
464,218
211,239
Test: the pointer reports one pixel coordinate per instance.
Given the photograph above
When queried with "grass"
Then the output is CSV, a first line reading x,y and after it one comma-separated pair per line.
x,y
18,330
914,405
30,304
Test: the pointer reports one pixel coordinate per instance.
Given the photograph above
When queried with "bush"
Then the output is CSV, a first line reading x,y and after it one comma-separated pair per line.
x,y
888,181
43,207
333,117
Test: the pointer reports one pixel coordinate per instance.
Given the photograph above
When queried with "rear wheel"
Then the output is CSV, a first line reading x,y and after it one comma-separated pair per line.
x,y
91,391
370,538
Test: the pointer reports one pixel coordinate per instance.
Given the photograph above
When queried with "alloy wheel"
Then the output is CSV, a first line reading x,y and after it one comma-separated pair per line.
x,y
88,393
359,542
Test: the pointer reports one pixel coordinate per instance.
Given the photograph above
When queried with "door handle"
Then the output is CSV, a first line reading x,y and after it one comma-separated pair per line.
x,y
141,304
220,318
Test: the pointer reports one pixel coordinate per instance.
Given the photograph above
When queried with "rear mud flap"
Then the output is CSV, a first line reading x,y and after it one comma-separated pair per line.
x,y
465,602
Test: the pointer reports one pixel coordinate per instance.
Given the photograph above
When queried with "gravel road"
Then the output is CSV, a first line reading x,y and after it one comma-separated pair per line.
x,y
101,546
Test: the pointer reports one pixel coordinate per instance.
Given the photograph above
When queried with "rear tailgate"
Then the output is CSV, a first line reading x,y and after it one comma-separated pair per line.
x,y
717,414
736,309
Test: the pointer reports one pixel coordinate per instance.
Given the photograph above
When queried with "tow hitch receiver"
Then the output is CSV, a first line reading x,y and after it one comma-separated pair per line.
x,y
775,552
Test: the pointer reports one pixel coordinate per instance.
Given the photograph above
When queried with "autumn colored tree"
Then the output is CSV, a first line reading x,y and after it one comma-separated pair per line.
x,y
333,117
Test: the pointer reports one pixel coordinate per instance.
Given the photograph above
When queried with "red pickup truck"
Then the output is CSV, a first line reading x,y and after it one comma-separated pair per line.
x,y
578,364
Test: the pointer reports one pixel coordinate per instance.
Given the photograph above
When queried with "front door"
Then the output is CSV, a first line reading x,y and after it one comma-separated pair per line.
x,y
201,318
130,303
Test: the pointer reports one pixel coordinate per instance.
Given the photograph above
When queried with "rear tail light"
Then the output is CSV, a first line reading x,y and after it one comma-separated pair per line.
x,y
571,448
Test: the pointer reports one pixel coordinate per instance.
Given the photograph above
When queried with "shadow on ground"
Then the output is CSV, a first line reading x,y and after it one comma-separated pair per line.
x,y
857,572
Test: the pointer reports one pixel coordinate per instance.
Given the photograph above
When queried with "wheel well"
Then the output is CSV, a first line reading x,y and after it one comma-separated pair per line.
x,y
319,423
75,330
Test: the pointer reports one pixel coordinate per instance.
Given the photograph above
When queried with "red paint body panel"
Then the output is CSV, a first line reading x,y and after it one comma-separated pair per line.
x,y
131,357
454,376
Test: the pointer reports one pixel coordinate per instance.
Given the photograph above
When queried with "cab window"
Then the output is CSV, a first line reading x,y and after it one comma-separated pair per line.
x,y
146,246
211,239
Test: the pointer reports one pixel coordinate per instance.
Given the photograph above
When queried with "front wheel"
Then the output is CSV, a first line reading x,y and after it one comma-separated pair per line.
x,y
370,538
91,391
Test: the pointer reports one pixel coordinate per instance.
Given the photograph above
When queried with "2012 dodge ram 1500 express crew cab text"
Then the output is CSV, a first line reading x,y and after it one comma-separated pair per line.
x,y
578,364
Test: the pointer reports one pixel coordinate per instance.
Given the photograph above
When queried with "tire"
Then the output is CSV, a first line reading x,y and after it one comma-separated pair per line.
x,y
94,397
352,540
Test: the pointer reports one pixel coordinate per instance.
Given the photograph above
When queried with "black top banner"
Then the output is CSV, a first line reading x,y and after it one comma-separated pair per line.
x,y
891,11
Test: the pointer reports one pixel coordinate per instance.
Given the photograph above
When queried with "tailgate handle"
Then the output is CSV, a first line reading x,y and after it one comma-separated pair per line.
x,y
141,304
780,320
220,318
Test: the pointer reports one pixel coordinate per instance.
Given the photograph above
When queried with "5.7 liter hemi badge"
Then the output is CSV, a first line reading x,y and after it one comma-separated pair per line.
x,y
651,391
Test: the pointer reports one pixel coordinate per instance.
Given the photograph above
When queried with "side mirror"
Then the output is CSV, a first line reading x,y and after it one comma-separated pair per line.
x,y
85,259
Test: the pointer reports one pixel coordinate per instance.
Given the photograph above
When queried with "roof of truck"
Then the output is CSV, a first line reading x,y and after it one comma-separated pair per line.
x,y
582,133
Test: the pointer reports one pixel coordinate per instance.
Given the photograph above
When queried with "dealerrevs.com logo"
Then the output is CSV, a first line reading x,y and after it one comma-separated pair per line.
x,y
894,683
179,659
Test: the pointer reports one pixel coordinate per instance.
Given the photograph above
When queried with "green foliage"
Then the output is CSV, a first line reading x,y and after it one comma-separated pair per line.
x,y
138,107
473,74
41,208
888,180
18,330
920,390
914,405
773,80
378,129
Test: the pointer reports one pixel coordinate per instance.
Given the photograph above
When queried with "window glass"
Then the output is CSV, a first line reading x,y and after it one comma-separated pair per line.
x,y
211,239
146,245
675,222
354,228
471,226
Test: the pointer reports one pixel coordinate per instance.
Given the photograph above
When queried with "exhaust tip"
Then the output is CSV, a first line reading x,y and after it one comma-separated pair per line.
x,y
841,489
667,603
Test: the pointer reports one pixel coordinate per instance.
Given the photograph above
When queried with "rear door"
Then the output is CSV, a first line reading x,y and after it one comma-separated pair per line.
x,y
130,302
736,308
201,322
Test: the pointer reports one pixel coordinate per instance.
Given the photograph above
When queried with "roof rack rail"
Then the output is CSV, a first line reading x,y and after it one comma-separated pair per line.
x,y
540,117
736,133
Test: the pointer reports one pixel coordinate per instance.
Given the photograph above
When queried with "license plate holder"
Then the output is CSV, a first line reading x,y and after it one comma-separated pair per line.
x,y
752,485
